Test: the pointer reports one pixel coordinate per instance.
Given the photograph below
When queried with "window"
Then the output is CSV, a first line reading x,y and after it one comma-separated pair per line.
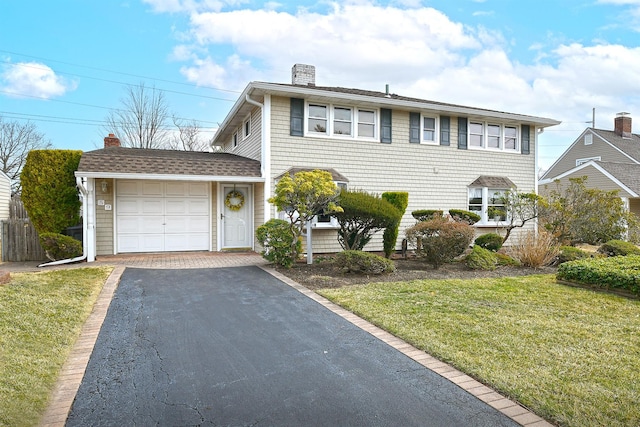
x,y
235,140
247,127
429,129
328,221
317,118
476,134
341,122
488,203
493,136
586,159
588,139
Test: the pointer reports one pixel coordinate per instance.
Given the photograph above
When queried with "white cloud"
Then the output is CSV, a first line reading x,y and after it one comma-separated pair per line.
x,y
34,79
190,6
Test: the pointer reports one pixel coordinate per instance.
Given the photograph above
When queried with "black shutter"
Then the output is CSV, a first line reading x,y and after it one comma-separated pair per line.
x,y
445,130
525,143
462,133
297,117
414,128
385,125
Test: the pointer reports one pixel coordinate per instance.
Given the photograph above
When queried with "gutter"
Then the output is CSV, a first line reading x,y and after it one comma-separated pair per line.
x,y
83,191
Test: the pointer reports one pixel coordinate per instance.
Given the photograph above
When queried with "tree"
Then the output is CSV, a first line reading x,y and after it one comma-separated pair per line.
x,y
16,140
142,122
189,136
49,189
303,196
520,209
579,214
362,215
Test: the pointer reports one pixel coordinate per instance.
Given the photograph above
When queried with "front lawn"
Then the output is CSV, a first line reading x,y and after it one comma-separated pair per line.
x,y
41,315
570,355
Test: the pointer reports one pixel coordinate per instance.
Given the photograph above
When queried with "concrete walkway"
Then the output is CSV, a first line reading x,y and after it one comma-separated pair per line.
x,y
74,369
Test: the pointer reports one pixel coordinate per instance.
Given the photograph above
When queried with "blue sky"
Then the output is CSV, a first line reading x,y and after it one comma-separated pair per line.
x,y
64,63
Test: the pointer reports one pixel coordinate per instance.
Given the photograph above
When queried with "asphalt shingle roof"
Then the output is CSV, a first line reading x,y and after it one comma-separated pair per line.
x,y
168,162
626,173
630,146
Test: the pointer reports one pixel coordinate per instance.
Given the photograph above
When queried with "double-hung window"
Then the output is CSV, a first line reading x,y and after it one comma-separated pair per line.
x,y
341,121
476,134
429,131
246,127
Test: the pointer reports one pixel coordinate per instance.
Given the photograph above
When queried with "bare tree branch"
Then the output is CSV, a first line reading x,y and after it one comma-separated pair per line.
x,y
189,137
142,122
16,140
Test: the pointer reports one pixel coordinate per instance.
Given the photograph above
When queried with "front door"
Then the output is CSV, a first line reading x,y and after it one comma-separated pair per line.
x,y
237,224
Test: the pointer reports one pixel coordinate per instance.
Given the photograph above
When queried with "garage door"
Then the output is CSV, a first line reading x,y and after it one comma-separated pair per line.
x,y
162,216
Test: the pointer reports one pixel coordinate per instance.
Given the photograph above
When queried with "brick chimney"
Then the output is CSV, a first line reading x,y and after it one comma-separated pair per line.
x,y
304,75
622,125
111,141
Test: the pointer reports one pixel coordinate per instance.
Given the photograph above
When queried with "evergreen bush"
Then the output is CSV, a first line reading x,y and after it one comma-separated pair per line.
x,y
571,253
464,216
276,240
481,259
618,248
490,241
399,199
360,262
58,246
426,214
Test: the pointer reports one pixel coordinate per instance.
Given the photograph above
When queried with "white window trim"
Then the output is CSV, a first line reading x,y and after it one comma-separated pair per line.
x,y
436,136
586,159
485,137
331,119
234,140
246,121
484,213
588,139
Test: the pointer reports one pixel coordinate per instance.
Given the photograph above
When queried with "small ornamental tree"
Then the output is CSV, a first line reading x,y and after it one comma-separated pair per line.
x,y
520,209
362,215
303,196
399,199
49,189
442,239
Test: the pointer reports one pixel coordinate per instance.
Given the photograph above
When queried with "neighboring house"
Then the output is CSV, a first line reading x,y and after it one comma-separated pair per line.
x,y
609,159
446,156
5,196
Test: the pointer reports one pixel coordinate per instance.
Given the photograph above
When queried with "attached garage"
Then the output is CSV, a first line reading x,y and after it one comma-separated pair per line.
x,y
145,200
162,216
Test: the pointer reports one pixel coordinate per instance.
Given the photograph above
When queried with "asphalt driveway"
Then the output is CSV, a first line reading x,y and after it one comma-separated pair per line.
x,y
237,347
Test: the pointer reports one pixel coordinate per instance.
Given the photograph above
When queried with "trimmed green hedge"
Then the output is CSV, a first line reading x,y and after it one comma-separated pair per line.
x,y
490,241
461,215
481,259
58,246
399,199
426,214
614,272
571,253
618,248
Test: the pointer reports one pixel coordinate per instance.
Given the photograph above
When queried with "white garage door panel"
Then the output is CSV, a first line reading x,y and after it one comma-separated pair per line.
x,y
158,216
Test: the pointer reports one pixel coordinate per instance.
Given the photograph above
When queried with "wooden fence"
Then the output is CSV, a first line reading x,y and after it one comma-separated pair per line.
x,y
20,241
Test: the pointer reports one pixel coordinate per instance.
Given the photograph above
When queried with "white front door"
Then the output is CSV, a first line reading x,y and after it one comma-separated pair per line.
x,y
237,224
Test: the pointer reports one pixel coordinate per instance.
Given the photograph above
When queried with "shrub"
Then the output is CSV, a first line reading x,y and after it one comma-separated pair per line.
x,y
504,259
426,214
619,272
535,250
441,240
362,215
571,253
276,240
490,241
481,259
58,246
49,189
464,216
399,199
360,262
618,248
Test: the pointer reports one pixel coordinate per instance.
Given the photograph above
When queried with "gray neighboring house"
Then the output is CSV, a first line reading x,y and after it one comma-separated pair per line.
x,y
609,159
445,155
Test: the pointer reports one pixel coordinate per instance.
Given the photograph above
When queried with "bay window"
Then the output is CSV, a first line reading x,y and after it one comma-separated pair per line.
x,y
488,203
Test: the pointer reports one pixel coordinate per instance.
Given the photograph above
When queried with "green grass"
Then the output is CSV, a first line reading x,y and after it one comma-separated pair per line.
x,y
41,315
570,355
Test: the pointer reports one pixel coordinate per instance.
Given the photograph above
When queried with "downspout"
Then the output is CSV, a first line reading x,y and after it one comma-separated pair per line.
x,y
82,257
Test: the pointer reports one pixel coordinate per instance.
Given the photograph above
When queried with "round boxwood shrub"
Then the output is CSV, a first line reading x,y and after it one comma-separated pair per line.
x,y
490,241
276,239
426,214
58,246
359,262
619,248
464,216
